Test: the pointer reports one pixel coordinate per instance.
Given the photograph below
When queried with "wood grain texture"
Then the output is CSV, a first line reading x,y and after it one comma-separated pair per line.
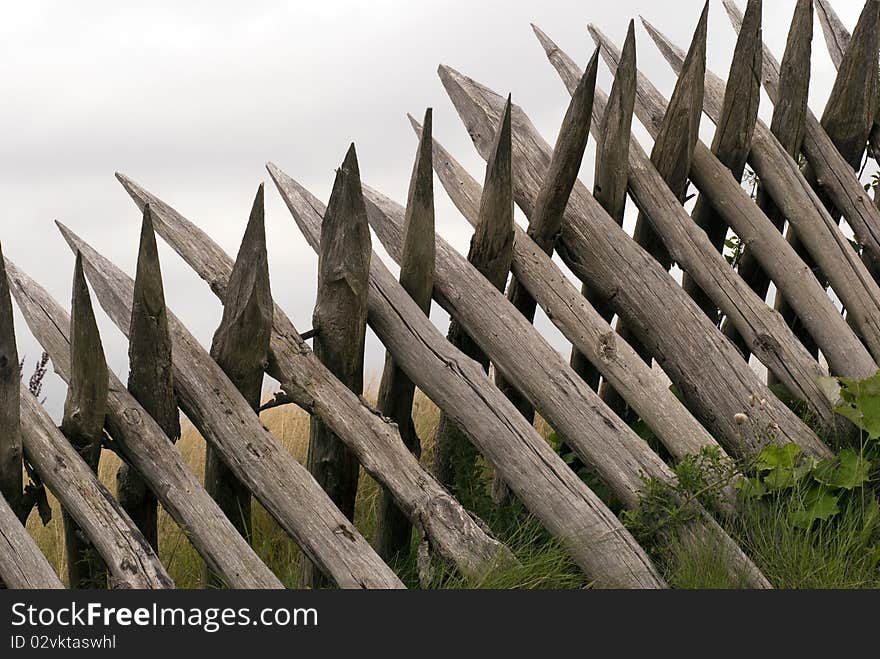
x,y
83,423
706,368
452,533
644,389
601,440
123,548
340,319
241,348
837,39
491,251
144,444
826,242
833,173
396,390
771,339
22,565
225,419
150,378
537,476
546,222
788,126
11,480
733,137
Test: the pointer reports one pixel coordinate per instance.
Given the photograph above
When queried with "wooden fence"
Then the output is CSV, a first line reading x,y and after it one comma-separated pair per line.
x,y
700,332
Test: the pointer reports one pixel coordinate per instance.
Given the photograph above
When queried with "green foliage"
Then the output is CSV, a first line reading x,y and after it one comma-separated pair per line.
x,y
860,403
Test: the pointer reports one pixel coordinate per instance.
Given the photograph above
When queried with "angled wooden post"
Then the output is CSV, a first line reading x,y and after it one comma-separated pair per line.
x,y
733,137
598,251
11,485
490,253
224,418
142,442
83,423
848,118
844,191
837,38
340,319
788,125
546,222
150,379
615,453
453,534
646,390
535,473
128,557
671,155
241,348
396,390
22,564
611,172
827,243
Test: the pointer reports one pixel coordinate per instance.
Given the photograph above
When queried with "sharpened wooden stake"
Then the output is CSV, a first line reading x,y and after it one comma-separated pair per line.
x,y
453,534
396,390
535,473
733,137
241,348
788,125
490,253
83,423
831,168
223,417
847,120
340,317
546,222
706,368
827,243
671,155
150,378
837,38
609,189
11,481
148,449
97,516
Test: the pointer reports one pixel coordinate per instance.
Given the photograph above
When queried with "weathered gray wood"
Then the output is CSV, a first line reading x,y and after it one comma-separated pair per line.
x,y
646,390
671,156
771,339
847,119
832,171
11,485
703,364
22,565
340,319
126,553
83,423
537,475
150,379
613,451
837,38
491,251
611,173
546,222
827,244
225,419
733,138
241,348
453,534
396,390
143,443
788,125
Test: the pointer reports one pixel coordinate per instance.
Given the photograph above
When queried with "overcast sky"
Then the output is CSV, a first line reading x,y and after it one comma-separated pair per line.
x,y
192,99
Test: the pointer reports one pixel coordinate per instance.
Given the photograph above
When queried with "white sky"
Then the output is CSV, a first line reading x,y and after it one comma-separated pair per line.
x,y
191,99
